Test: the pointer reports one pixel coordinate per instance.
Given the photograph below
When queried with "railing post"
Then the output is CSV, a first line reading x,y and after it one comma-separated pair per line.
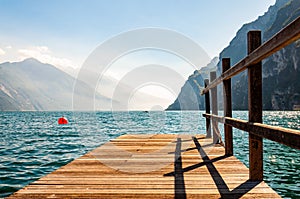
x,y
255,109
207,110
214,108
227,108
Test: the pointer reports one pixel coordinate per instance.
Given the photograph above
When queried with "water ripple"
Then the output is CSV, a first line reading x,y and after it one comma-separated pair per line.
x,y
33,145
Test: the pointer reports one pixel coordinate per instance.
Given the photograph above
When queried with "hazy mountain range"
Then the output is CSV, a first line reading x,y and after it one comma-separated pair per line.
x,y
30,85
281,71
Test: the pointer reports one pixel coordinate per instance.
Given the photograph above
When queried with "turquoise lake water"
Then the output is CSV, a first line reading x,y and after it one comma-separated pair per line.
x,y
32,144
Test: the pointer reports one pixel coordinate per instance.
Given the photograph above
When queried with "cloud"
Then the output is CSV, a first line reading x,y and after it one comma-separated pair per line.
x,y
43,54
2,52
8,47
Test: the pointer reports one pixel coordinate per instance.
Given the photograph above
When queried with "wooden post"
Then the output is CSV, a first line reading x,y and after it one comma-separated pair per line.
x,y
207,110
255,109
227,108
214,104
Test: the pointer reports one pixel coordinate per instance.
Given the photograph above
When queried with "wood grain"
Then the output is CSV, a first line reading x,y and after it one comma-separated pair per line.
x,y
197,169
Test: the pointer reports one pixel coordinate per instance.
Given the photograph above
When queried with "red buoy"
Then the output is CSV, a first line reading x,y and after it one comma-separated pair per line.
x,y
62,120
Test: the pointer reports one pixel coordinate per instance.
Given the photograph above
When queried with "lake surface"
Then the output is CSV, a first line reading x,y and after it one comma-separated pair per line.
x,y
33,145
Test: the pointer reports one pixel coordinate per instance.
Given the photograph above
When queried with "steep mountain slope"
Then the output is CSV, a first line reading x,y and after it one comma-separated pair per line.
x,y
32,85
189,97
281,71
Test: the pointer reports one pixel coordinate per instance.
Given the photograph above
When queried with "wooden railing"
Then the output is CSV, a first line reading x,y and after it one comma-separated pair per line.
x,y
257,131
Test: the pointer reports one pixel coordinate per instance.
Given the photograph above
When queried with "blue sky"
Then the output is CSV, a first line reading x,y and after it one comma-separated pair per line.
x,y
73,28
65,32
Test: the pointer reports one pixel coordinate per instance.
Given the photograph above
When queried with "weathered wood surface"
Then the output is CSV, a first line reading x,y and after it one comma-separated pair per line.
x,y
189,167
227,108
214,107
255,108
288,137
207,110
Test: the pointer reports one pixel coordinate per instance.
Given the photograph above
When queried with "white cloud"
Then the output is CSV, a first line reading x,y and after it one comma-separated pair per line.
x,y
8,47
2,52
43,49
43,54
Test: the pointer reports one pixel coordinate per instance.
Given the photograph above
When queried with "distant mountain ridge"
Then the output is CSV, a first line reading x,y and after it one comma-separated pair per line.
x,y
31,85
189,97
281,71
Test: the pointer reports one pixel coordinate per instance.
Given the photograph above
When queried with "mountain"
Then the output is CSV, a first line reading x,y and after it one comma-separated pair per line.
x,y
31,85
281,71
189,97
34,86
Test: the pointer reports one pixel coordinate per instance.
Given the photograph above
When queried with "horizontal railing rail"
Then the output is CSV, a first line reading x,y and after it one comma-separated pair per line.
x,y
286,136
283,38
257,131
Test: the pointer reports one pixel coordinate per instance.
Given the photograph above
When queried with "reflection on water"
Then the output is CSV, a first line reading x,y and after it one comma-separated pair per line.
x,y
32,144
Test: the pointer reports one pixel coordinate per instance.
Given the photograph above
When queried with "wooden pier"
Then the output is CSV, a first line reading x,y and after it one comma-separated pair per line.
x,y
181,166
252,63
152,166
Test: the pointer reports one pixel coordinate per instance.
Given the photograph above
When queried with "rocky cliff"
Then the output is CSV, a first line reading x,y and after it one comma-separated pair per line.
x,y
281,71
189,97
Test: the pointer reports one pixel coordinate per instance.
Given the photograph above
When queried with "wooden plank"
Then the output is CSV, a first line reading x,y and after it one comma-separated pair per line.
x,y
255,109
283,38
227,108
198,170
214,107
207,110
288,137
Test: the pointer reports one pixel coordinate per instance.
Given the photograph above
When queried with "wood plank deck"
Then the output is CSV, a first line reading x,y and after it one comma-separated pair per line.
x,y
151,166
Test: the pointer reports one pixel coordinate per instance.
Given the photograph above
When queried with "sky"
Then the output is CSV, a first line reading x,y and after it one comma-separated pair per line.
x,y
65,32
